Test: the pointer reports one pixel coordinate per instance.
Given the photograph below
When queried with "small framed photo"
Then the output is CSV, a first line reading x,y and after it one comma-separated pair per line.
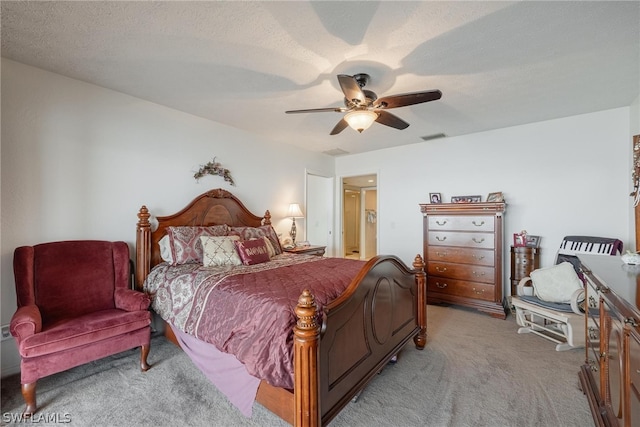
x,y
519,239
435,197
532,241
495,197
466,199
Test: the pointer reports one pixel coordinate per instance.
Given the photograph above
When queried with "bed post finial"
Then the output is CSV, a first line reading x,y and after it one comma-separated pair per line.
x,y
421,281
305,358
143,246
267,217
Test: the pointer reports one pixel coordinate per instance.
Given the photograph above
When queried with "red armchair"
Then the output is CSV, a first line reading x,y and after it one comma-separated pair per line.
x,y
75,305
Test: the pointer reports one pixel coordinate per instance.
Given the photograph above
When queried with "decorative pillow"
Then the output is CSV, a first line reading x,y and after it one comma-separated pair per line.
x,y
219,250
252,251
185,241
557,283
270,248
248,233
165,249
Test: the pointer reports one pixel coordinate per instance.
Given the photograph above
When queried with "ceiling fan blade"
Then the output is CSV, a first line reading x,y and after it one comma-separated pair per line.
x,y
352,90
388,119
342,125
319,110
405,99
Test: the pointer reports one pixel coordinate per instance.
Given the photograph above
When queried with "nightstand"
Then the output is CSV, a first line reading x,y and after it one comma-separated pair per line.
x,y
523,261
307,250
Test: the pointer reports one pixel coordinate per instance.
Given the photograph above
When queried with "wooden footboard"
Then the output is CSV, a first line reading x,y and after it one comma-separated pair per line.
x,y
381,310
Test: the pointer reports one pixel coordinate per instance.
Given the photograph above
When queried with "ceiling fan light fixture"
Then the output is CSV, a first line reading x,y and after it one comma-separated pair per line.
x,y
361,119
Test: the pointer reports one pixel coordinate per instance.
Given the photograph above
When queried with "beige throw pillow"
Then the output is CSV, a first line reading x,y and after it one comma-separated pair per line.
x,y
217,251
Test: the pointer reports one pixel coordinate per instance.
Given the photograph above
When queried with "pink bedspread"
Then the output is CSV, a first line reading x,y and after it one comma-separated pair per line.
x,y
248,311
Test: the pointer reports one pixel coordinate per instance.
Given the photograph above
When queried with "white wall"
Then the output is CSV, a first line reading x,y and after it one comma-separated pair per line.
x,y
78,161
559,177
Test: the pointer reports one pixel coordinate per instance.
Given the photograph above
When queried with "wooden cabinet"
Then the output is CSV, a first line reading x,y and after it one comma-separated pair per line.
x,y
463,254
307,250
610,376
523,261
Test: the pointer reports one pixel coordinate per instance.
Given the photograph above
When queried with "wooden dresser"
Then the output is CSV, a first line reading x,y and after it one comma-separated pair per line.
x,y
610,376
463,253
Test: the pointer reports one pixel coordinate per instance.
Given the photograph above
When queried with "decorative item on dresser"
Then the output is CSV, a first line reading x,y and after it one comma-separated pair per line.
x,y
610,376
523,261
463,252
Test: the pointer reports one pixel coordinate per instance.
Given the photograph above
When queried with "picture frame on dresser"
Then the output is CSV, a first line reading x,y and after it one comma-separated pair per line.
x,y
435,197
532,241
495,197
466,199
519,240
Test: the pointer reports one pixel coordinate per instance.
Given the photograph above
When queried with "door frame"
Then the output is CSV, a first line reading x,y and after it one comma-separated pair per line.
x,y
339,217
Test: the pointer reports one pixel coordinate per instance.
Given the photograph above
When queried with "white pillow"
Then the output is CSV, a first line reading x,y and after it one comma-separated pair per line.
x,y
165,249
557,283
219,250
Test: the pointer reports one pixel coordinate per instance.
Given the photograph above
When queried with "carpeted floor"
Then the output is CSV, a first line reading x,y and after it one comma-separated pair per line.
x,y
475,371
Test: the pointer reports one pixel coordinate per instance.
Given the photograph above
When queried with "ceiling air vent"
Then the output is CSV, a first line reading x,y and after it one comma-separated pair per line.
x,y
432,137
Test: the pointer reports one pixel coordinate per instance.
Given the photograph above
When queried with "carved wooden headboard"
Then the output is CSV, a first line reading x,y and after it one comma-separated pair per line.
x,y
214,207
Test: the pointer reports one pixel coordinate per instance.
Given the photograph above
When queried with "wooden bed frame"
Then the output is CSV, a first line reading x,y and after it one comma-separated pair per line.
x,y
380,311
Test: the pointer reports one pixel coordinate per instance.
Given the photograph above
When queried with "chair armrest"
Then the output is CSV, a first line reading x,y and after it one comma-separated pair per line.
x,y
577,302
26,321
130,300
522,284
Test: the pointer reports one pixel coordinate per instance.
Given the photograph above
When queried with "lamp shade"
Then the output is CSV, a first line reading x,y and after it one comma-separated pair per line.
x,y
294,211
360,119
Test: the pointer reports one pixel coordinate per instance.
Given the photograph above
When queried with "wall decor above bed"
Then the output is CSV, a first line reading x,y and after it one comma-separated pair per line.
x,y
215,169
342,320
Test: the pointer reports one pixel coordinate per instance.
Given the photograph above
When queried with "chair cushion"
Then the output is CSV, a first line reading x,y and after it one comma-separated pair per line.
x,y
556,284
557,306
82,330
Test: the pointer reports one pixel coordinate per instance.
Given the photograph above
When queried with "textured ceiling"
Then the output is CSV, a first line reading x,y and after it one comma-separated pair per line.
x,y
498,64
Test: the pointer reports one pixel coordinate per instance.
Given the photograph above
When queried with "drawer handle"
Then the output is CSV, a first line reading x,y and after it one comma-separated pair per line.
x,y
476,224
592,302
441,285
480,292
441,223
441,269
441,254
441,239
593,366
524,262
478,241
593,333
631,321
477,257
475,273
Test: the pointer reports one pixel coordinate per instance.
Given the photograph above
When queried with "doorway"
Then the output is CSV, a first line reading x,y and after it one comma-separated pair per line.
x,y
359,217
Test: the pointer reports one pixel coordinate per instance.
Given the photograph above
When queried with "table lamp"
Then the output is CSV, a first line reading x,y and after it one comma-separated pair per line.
x,y
293,213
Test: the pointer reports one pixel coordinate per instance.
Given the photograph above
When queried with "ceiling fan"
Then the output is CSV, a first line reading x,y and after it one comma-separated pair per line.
x,y
363,106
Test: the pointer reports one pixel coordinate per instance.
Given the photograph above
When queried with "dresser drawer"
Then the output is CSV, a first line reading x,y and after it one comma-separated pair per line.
x,y
476,273
460,288
462,223
468,240
461,255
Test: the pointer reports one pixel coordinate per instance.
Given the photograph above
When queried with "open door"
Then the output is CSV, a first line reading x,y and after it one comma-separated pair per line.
x,y
359,217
